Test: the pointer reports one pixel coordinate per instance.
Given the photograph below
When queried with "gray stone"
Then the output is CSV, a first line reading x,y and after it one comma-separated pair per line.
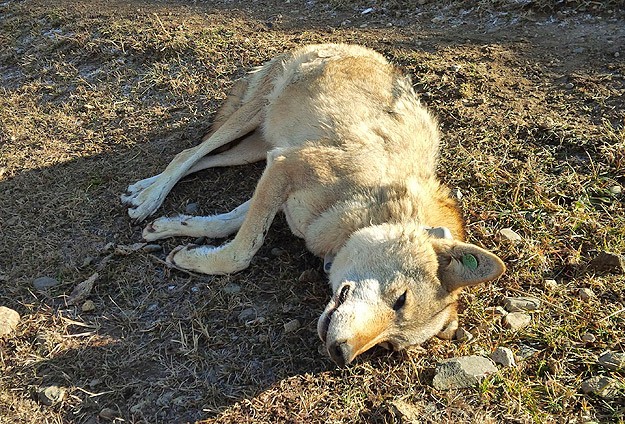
x,y
44,283
405,412
519,304
517,320
601,386
503,356
461,372
463,335
525,352
510,234
247,314
152,248
231,288
191,208
613,360
50,395
551,284
292,326
609,262
588,338
88,306
8,321
276,251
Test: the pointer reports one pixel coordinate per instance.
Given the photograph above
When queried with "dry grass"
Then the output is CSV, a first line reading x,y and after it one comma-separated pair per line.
x,y
98,95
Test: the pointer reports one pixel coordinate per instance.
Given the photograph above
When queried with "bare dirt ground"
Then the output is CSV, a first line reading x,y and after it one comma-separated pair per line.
x,y
96,95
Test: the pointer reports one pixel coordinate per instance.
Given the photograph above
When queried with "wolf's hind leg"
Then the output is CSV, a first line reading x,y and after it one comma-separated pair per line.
x,y
213,226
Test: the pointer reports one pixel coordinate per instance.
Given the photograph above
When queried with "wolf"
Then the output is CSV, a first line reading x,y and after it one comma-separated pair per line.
x,y
351,157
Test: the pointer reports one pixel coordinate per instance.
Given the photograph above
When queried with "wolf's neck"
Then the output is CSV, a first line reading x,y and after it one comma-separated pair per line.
x,y
428,205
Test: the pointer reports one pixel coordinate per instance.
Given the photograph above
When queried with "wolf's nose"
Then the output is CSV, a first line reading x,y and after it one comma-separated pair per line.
x,y
340,353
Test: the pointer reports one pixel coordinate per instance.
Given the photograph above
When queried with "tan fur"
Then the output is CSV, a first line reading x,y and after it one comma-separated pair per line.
x,y
351,157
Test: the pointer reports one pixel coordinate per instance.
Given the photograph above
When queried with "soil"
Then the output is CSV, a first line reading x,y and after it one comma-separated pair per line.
x,y
97,95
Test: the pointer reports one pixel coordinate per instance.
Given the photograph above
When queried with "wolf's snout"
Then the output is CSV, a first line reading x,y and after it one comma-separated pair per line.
x,y
341,353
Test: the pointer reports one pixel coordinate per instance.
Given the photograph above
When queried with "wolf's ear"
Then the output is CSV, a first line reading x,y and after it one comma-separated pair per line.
x,y
463,264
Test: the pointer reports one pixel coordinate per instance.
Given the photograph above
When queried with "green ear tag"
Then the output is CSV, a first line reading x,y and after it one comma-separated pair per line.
x,y
469,261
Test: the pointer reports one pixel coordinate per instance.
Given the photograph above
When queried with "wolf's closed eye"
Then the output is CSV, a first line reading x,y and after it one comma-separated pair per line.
x,y
399,303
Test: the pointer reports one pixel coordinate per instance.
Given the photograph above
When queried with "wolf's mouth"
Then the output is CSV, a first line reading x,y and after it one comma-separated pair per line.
x,y
338,301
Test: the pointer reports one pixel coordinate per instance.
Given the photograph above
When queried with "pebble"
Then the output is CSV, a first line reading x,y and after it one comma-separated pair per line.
x,y
152,248
609,262
588,338
517,320
586,294
551,284
614,361
8,321
88,306
405,412
292,326
510,234
44,283
50,395
519,304
191,208
604,387
231,288
247,314
616,190
569,85
503,356
462,372
525,352
108,414
463,335
276,251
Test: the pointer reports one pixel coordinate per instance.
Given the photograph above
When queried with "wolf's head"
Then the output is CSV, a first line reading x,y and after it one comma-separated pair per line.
x,y
398,285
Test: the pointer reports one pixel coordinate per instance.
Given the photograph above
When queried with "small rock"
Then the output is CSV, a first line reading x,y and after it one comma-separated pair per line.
x,y
44,283
231,288
551,284
247,314
82,290
503,356
586,294
604,387
292,326
199,241
108,414
191,208
457,193
519,304
152,248
8,321
525,352
616,190
461,372
609,262
463,335
588,338
613,360
50,395
517,320
88,306
617,54
569,85
510,234
309,276
496,311
276,251
405,412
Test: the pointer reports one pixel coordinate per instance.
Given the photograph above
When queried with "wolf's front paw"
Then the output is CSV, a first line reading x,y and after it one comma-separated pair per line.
x,y
143,198
207,259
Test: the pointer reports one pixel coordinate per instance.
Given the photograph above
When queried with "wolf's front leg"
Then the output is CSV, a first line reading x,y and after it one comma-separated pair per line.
x,y
271,192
